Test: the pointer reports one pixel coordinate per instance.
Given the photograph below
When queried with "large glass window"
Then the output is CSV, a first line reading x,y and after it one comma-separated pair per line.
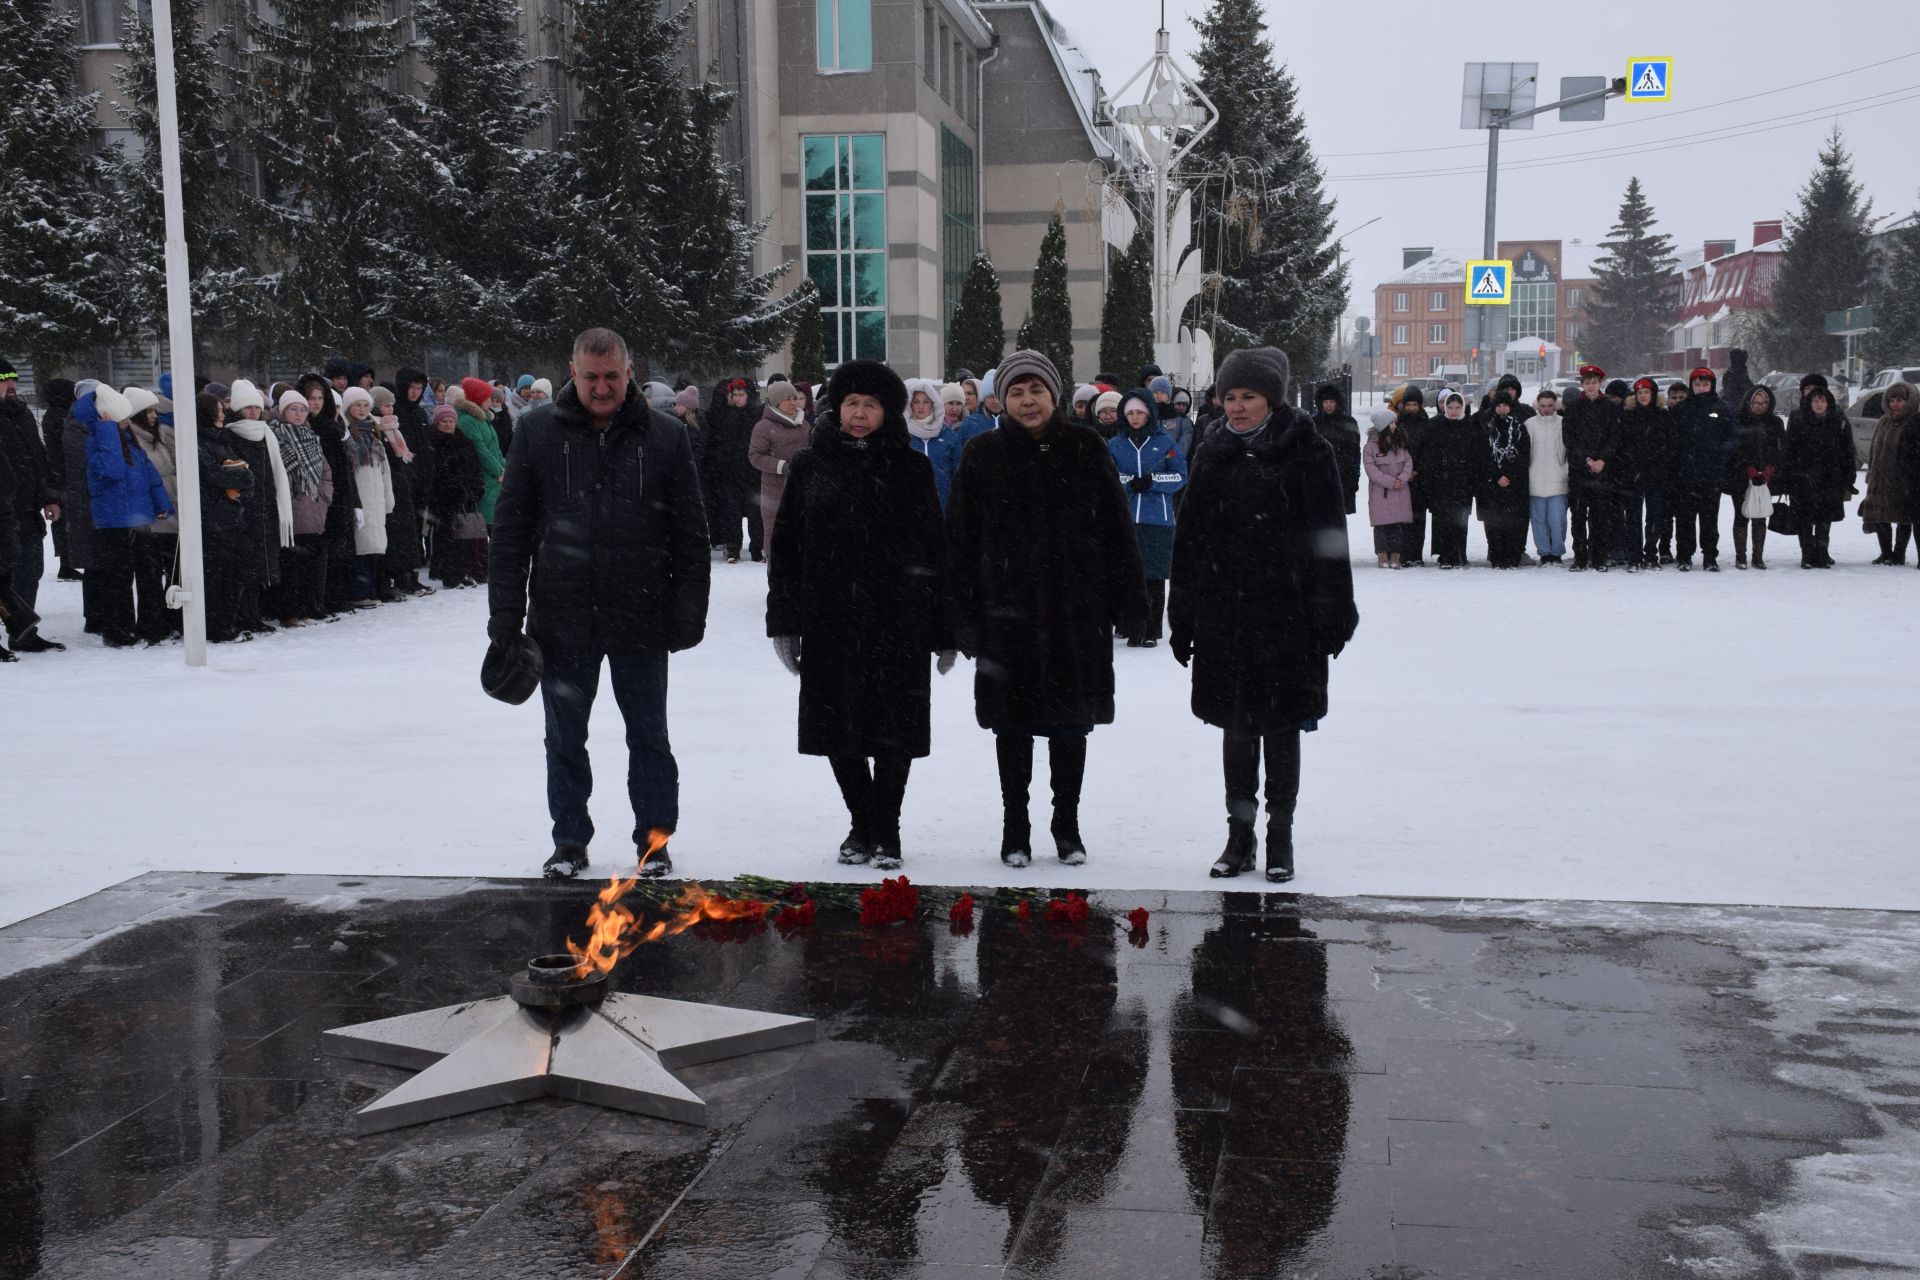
x,y
846,34
1532,312
959,222
845,189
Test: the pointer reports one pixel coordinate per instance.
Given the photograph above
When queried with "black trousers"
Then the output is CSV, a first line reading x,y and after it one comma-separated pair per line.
x,y
1415,537
1813,542
1506,542
1150,627
110,572
339,573
226,565
1658,537
1450,531
1240,760
1696,522
1892,547
1067,762
152,570
1593,510
739,501
873,794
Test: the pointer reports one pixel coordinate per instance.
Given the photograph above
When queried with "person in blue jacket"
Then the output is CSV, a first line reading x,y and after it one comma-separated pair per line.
x,y
985,417
929,435
125,492
1152,469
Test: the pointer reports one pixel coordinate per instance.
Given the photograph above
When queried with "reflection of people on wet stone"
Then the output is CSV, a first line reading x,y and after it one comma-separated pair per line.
x,y
854,600
1044,566
601,508
1262,596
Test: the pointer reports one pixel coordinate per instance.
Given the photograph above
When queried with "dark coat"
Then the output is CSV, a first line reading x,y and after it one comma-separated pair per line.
x,y
10,489
1759,452
1820,463
76,508
33,486
404,552
263,524
346,489
1262,585
416,428
609,526
1737,386
729,436
458,481
1509,453
1907,460
1451,461
1653,447
1705,430
855,570
1591,429
226,496
1043,565
1341,432
1413,429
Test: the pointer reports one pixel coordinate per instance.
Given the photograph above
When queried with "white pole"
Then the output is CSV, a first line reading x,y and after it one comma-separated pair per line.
x,y
187,593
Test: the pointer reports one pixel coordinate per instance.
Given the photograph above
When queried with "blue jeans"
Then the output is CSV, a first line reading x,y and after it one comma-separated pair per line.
x,y
568,683
1549,524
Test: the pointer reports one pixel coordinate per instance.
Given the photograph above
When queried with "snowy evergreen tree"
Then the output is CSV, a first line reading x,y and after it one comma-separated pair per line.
x,y
977,337
1636,287
1050,329
809,363
1126,316
58,284
1282,282
473,173
336,213
1897,309
646,235
217,257
1827,264
1023,336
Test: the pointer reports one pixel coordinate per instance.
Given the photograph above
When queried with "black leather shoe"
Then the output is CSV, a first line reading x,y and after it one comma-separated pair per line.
x,y
568,861
1238,855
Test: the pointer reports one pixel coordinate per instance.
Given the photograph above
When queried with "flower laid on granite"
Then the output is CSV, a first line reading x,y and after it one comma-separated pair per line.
x,y
792,918
1072,911
893,901
961,913
1024,911
1137,920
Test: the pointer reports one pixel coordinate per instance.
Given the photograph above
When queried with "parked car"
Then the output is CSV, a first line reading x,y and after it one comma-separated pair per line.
x,y
1886,378
1864,417
1786,390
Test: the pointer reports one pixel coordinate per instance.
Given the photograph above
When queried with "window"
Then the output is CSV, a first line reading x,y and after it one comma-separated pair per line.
x,y
1437,300
1532,312
927,46
959,221
845,179
1436,335
1399,366
1573,299
959,65
1400,335
1573,330
100,21
1436,364
1399,302
846,34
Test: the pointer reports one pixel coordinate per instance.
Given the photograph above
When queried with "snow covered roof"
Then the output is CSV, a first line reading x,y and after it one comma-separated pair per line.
x,y
1448,266
1577,259
1077,72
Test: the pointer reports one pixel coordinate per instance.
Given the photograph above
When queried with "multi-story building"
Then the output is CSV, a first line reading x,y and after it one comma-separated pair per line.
x,y
1724,295
882,146
1426,329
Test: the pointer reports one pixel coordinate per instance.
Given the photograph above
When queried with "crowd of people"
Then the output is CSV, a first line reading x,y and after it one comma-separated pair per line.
x,y
1638,471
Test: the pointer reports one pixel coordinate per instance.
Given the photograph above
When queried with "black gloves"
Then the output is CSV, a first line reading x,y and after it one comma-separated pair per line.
x,y
1141,484
1182,645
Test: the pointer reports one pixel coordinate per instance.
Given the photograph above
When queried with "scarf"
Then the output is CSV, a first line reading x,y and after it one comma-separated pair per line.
x,y
254,431
1505,449
363,443
397,442
300,455
1249,436
929,429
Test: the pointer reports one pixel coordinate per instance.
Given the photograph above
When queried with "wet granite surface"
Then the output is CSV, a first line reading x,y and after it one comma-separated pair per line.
x,y
1260,1085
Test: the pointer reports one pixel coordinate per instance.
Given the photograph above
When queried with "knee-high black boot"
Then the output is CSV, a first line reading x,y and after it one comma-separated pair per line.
x,y
1067,760
856,788
1240,764
1901,534
1283,789
883,817
1015,755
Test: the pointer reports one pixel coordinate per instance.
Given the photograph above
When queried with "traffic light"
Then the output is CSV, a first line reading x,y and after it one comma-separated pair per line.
x,y
1476,353
1543,351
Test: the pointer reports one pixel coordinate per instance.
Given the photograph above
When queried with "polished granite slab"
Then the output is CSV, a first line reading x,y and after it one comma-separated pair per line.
x,y
1257,1085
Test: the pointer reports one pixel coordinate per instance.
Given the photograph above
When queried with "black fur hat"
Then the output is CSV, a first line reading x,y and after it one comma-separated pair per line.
x,y
868,378
1262,369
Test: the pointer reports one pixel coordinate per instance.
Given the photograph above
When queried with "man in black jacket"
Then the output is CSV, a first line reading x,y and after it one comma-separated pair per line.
x,y
601,506
1592,435
1337,427
32,502
1704,427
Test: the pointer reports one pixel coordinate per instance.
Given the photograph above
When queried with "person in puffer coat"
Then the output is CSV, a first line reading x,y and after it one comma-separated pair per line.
x,y
1153,472
476,424
781,433
1705,427
1503,498
1450,465
76,507
1820,469
228,527
1759,454
736,484
855,565
1262,596
126,493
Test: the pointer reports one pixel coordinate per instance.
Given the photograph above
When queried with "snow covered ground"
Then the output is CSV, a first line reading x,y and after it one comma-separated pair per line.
x,y
1734,738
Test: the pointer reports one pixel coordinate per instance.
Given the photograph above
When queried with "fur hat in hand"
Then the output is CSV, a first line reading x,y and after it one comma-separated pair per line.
x,y
868,378
1264,370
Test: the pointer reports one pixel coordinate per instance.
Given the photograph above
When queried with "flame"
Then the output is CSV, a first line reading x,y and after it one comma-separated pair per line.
x,y
614,933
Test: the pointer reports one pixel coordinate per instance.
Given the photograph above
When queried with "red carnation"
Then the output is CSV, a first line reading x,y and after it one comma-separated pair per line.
x,y
962,911
893,901
1024,911
1137,919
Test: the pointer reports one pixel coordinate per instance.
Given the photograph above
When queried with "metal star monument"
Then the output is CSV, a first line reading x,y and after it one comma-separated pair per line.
x,y
555,1036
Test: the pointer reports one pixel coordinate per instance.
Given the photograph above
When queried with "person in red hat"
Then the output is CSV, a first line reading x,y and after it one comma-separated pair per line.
x,y
476,424
1592,434
1705,427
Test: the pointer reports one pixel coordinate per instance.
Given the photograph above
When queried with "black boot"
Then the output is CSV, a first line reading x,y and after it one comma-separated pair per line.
x,y
1900,536
568,861
883,818
1885,534
1015,757
856,791
1067,761
656,867
1283,790
1238,855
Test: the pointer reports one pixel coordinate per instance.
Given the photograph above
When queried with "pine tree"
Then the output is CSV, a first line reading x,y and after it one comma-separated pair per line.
x,y
216,244
1126,316
1827,264
1050,327
336,211
58,289
809,363
1023,336
1283,283
472,119
977,338
1897,310
1636,287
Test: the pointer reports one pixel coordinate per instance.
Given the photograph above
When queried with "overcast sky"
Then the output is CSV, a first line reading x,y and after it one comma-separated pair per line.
x,y
1386,75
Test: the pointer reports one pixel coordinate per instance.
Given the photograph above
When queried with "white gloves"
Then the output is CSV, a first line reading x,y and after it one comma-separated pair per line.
x,y
945,663
787,649
780,467
359,517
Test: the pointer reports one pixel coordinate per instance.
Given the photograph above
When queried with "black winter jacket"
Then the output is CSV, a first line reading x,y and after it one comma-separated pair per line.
x,y
346,489
226,495
1262,586
600,537
729,433
1821,464
1043,565
33,486
1508,453
1341,432
1591,429
1451,461
458,482
9,517
1759,448
855,570
1704,428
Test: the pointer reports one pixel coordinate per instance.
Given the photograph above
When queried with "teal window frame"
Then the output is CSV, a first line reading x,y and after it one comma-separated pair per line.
x,y
843,230
844,42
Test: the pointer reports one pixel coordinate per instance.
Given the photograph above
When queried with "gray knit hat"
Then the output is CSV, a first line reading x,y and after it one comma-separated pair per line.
x,y
1029,364
778,393
1261,369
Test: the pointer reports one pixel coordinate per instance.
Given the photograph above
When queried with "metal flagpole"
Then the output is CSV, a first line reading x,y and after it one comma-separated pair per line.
x,y
186,593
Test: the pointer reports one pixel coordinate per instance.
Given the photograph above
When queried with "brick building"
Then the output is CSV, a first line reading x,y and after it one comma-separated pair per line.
x,y
1426,329
1724,295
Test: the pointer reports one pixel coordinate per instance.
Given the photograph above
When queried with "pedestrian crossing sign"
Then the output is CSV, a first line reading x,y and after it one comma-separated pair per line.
x,y
1489,281
1649,79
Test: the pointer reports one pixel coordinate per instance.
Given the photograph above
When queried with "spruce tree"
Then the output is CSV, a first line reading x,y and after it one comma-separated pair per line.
x,y
469,204
336,212
1049,328
1827,264
1126,316
1896,311
809,362
58,288
1636,287
977,337
1023,336
1282,283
